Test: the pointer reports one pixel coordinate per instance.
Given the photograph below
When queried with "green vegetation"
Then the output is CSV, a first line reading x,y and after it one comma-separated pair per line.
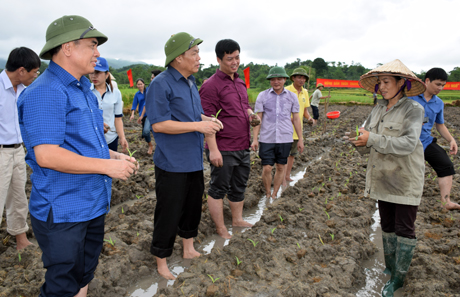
x,y
213,280
238,262
254,243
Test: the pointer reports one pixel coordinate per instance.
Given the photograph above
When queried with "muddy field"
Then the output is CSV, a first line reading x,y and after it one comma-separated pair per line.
x,y
309,242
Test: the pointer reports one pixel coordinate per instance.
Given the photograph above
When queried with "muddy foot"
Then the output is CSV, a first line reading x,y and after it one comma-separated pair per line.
x,y
223,232
150,151
451,206
164,272
289,179
22,241
242,224
191,254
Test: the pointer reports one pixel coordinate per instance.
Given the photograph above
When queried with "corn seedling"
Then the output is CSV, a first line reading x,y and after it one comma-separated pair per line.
x,y
281,218
328,217
252,163
325,201
238,262
213,280
137,234
298,245
19,256
254,243
273,230
320,239
357,132
131,154
153,168
138,196
217,114
330,178
451,217
332,235
300,209
112,242
122,210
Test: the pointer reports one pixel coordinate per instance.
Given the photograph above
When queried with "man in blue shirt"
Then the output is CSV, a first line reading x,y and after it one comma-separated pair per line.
x,y
435,80
178,122
62,128
21,69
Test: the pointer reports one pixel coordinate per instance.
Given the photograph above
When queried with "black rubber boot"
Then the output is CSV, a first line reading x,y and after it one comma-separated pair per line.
x,y
404,252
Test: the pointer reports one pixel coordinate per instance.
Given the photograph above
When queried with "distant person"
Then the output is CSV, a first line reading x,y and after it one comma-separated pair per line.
x,y
228,151
111,104
178,122
72,166
435,80
396,167
274,108
20,71
154,73
315,98
139,100
298,77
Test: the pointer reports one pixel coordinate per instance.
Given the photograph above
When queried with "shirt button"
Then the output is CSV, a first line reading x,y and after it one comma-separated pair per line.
x,y
96,128
102,145
91,110
373,166
78,84
381,121
105,180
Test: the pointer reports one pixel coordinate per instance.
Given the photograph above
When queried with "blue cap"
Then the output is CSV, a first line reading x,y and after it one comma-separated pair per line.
x,y
101,65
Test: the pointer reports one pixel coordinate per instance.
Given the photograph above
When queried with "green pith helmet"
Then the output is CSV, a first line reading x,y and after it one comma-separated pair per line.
x,y
69,28
277,72
299,71
178,44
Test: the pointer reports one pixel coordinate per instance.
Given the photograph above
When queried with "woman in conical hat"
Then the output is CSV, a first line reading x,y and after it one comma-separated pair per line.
x,y
395,172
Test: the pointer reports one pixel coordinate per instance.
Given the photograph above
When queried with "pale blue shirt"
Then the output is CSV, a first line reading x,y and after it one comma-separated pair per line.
x,y
10,133
112,107
276,126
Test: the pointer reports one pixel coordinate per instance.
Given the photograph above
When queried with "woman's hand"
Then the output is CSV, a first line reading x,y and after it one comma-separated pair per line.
x,y
362,138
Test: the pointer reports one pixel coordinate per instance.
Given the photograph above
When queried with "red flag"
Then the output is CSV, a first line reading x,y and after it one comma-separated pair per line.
x,y
130,77
246,77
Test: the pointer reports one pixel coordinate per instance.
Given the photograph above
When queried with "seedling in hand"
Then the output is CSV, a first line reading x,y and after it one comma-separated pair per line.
x,y
238,262
213,280
131,154
254,243
217,114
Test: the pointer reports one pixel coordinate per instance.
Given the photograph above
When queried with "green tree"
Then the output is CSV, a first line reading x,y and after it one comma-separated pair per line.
x,y
321,67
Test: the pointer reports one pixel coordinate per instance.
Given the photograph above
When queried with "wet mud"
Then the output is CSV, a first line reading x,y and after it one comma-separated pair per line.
x,y
311,241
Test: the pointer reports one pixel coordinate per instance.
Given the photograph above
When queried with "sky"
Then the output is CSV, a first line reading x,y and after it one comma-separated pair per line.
x,y
421,33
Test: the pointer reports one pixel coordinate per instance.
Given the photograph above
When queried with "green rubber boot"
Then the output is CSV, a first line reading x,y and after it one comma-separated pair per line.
x,y
389,251
404,252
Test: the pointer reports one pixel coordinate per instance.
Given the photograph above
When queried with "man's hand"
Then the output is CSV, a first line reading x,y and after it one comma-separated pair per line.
x,y
453,147
124,145
209,127
254,119
255,145
300,146
362,138
131,117
216,158
121,168
139,120
106,128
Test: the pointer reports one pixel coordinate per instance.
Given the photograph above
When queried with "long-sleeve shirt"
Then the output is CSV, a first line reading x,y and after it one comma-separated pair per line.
x,y
396,167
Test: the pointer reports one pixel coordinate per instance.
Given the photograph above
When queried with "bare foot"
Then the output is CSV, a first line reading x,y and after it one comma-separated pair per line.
x,y
241,223
289,179
223,232
164,272
22,241
451,205
150,151
191,254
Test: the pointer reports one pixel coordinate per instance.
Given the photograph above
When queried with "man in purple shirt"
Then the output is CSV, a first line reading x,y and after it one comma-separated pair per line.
x,y
225,94
274,106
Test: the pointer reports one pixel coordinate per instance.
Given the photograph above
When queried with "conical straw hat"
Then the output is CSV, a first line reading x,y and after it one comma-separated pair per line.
x,y
394,68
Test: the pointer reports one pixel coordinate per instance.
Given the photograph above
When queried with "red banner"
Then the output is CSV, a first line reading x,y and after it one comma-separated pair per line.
x,y
246,77
452,86
337,83
130,77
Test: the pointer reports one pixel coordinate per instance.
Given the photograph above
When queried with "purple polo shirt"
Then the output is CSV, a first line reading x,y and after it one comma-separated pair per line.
x,y
221,92
276,126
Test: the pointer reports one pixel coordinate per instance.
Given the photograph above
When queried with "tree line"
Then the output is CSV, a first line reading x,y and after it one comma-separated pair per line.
x,y
318,68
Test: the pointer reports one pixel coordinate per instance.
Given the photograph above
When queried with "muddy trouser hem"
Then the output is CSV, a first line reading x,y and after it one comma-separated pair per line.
x,y
178,208
398,218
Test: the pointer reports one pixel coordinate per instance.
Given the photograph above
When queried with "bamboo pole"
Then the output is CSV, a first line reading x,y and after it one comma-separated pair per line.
x,y
325,111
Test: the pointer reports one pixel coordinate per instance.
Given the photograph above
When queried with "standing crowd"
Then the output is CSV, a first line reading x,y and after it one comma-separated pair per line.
x,y
71,128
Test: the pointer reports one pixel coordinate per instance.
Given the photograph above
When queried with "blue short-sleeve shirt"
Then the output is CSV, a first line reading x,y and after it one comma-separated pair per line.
x,y
139,99
171,96
434,111
58,109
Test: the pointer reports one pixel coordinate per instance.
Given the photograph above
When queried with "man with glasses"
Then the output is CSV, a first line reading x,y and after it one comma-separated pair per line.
x,y
174,110
21,69
72,165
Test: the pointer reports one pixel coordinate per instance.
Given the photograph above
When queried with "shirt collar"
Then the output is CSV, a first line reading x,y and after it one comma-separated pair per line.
x,y
107,87
66,77
7,83
177,75
224,75
283,91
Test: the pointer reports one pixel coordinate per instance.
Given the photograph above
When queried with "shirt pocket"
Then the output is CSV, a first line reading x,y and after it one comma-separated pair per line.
x,y
392,129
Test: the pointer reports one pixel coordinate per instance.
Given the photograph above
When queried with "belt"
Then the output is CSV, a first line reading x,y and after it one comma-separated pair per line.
x,y
16,145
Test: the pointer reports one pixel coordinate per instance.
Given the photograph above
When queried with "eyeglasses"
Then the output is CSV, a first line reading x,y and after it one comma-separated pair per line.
x,y
191,43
